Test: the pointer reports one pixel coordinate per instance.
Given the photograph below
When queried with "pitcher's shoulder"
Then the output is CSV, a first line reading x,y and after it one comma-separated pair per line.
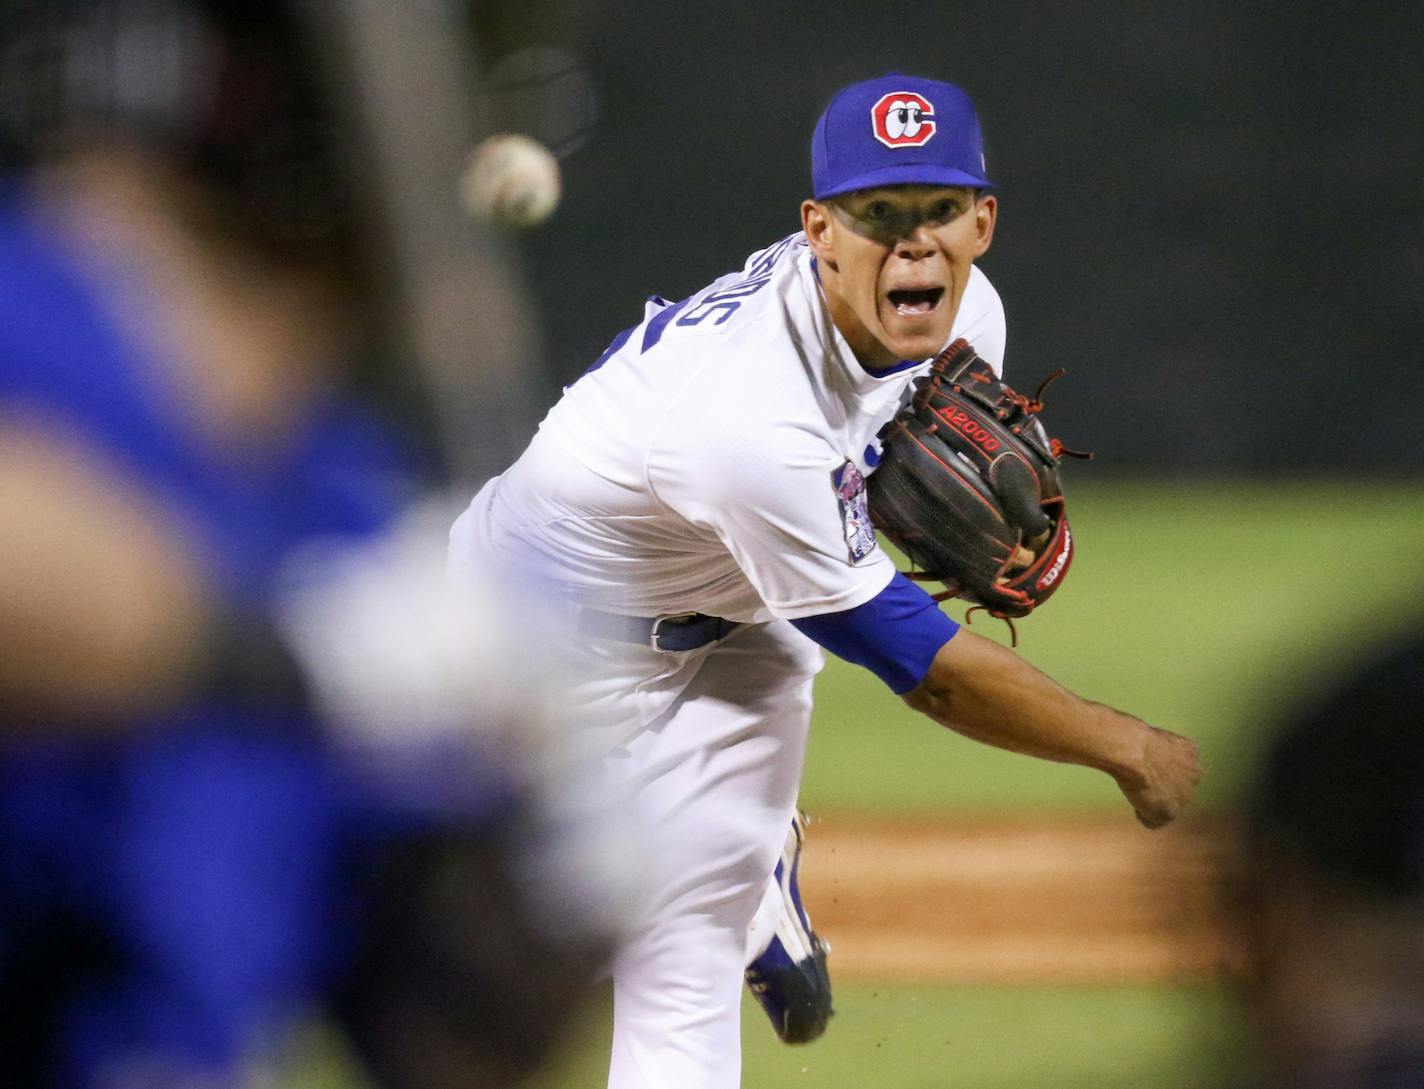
x,y
981,319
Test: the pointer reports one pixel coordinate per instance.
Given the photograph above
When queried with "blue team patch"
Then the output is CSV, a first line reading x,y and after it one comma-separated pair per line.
x,y
855,510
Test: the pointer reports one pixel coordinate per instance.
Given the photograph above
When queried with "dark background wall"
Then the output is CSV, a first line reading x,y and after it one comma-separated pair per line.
x,y
1213,213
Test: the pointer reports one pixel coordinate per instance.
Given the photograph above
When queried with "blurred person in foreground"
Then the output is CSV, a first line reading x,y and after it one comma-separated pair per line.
x,y
1331,889
254,766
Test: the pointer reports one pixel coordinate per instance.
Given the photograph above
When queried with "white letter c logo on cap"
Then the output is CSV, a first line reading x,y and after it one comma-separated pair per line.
x,y
902,119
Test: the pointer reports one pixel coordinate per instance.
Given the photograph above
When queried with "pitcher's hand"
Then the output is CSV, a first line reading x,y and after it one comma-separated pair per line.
x,y
1162,785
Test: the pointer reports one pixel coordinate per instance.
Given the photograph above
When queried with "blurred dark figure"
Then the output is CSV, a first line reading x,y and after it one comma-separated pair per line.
x,y
253,766
1332,885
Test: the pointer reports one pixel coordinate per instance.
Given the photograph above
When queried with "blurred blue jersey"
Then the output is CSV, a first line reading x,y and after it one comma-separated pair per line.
x,y
165,900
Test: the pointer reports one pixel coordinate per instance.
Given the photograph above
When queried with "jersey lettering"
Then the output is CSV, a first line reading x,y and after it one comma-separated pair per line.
x,y
725,301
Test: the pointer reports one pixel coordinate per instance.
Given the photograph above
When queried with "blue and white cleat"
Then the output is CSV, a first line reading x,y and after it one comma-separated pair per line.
x,y
787,972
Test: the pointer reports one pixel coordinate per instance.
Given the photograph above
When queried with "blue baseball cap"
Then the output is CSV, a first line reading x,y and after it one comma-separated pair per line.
x,y
897,130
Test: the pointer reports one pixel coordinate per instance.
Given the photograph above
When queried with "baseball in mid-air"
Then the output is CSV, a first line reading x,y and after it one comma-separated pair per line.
x,y
511,180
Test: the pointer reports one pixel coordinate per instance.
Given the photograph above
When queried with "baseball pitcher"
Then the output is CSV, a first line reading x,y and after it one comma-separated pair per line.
x,y
702,499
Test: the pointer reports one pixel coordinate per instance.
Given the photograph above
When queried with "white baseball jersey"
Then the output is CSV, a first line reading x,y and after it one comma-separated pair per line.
x,y
714,460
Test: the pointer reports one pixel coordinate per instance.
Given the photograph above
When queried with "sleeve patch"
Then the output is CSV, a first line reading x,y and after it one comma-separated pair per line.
x,y
855,510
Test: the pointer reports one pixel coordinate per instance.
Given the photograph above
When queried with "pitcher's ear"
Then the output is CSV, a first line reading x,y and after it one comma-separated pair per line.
x,y
817,222
986,215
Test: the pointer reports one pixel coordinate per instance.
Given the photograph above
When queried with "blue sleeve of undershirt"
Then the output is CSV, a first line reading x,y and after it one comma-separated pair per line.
x,y
895,634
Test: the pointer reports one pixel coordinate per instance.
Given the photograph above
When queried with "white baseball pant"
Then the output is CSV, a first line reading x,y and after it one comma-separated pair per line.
x,y
712,746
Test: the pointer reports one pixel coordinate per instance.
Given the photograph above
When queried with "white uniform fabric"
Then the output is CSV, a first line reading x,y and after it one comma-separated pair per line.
x,y
703,467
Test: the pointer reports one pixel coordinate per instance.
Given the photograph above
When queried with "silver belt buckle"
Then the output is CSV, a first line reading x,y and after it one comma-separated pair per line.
x,y
655,636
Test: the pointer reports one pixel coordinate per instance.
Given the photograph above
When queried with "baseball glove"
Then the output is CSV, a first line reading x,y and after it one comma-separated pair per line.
x,y
967,479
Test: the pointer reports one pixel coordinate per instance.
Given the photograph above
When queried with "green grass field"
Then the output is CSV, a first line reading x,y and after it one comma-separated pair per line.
x,y
895,1037
892,1036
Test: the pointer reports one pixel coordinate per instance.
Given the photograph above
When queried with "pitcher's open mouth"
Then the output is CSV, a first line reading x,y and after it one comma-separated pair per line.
x,y
914,303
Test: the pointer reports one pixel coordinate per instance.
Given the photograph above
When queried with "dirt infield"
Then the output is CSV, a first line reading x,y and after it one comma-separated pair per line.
x,y
1073,899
